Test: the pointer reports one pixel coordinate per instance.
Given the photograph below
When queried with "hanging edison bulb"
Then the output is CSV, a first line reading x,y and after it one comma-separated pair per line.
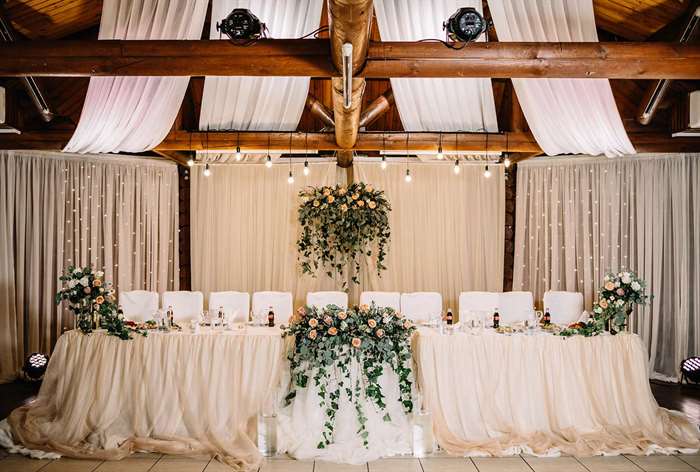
x,y
307,171
408,177
268,161
383,164
290,179
207,171
456,167
487,172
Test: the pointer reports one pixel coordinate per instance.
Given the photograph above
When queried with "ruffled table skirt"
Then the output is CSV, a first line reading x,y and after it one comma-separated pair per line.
x,y
497,395
172,393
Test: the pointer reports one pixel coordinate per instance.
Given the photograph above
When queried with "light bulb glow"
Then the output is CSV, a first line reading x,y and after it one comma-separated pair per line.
x,y
408,177
456,168
307,171
506,162
207,171
439,153
383,164
487,172
268,161
290,179
238,153
190,162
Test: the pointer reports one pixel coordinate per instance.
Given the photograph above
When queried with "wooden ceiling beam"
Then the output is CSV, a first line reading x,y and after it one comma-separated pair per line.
x,y
427,142
310,57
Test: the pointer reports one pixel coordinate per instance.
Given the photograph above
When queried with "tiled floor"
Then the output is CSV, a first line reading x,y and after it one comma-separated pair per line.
x,y
158,463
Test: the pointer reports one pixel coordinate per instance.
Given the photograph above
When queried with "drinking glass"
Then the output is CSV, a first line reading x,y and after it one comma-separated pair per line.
x,y
476,324
531,322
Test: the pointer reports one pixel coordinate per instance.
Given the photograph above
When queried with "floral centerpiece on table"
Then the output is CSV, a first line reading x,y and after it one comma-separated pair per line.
x,y
616,299
327,341
92,302
341,224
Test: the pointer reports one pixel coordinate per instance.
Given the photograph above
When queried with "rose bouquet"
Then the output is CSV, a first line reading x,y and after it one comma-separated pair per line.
x,y
340,225
92,301
328,340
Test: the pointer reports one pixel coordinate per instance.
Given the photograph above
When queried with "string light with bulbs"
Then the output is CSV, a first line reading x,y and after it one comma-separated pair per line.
x,y
190,161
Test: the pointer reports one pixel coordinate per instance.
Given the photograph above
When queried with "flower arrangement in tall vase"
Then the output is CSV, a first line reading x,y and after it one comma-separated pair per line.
x,y
92,301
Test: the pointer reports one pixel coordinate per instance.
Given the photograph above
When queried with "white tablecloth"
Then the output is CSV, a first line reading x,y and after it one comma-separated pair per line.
x,y
493,394
174,393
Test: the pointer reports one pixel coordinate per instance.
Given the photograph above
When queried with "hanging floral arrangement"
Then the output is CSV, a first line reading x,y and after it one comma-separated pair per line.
x,y
339,226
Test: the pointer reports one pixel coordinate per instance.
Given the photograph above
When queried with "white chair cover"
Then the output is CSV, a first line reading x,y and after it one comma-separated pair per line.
x,y
382,299
186,305
236,305
421,306
281,303
477,305
323,299
564,307
139,305
515,306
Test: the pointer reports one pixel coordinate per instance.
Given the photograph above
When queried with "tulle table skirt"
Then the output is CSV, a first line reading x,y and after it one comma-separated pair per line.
x,y
493,394
174,393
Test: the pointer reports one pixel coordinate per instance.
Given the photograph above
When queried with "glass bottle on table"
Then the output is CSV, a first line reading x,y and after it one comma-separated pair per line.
x,y
449,317
271,318
547,320
220,315
170,318
496,318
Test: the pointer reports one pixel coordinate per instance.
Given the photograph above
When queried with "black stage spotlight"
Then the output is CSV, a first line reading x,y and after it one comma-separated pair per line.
x,y
35,366
465,25
690,370
241,24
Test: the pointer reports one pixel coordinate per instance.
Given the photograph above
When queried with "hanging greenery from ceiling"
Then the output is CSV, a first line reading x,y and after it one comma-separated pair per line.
x,y
339,226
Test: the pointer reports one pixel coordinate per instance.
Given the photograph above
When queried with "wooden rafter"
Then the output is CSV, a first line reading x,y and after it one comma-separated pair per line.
x,y
289,57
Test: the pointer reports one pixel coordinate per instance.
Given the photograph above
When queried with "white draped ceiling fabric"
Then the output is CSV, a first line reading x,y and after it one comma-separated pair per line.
x,y
581,217
115,213
260,103
566,116
434,104
134,114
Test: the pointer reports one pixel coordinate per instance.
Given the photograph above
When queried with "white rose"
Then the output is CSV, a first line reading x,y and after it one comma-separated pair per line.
x,y
84,281
99,273
636,286
626,278
606,278
598,309
72,283
619,303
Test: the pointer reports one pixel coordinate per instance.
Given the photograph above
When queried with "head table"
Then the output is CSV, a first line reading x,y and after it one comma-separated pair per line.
x,y
488,394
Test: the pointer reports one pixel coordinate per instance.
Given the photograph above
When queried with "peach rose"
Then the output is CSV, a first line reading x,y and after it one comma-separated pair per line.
x,y
313,322
331,198
342,315
301,311
372,323
342,191
96,283
609,286
603,303
356,342
406,324
355,196
398,314
343,207
372,205
100,300
312,334
360,203
328,320
332,331
364,307
369,188
380,333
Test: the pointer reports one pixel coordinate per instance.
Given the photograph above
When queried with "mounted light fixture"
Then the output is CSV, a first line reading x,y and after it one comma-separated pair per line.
x,y
347,75
465,25
207,170
241,24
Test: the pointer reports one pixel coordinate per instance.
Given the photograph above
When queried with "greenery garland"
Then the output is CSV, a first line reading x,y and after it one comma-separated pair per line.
x,y
328,341
89,297
616,298
341,224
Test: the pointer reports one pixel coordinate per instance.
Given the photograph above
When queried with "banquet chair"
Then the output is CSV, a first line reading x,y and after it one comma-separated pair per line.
x,y
564,307
515,306
281,303
186,305
477,305
236,305
139,305
421,306
382,299
321,300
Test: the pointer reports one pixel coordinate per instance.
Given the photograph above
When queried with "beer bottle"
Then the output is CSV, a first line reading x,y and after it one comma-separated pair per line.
x,y
496,318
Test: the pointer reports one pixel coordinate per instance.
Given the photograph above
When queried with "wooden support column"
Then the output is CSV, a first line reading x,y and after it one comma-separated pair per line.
x,y
349,22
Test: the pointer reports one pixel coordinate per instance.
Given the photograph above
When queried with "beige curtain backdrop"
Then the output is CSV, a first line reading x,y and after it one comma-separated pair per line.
x,y
447,230
244,227
114,213
577,218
